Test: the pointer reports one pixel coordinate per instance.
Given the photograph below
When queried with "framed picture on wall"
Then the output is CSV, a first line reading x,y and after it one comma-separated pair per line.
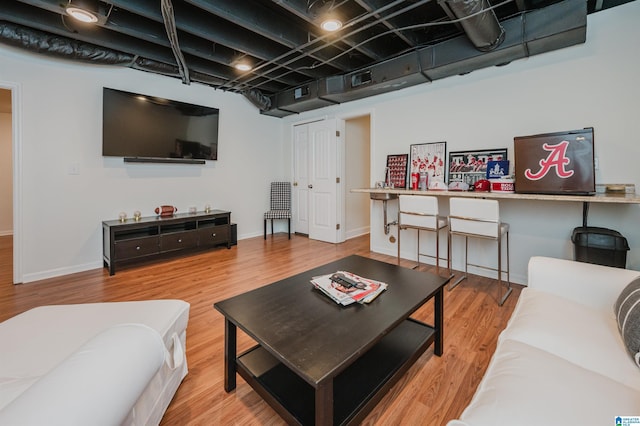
x,y
397,166
471,166
430,158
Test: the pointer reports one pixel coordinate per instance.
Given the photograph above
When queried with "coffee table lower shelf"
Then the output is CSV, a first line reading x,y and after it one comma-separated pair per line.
x,y
356,390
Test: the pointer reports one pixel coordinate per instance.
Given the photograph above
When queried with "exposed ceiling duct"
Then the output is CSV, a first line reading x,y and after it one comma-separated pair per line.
x,y
554,27
478,20
256,97
60,47
291,64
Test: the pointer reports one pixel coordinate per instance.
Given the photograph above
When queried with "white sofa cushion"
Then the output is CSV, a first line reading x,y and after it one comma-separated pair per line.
x,y
580,334
592,285
527,386
96,385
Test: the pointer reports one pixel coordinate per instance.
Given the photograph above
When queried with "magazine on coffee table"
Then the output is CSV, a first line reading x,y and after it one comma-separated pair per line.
x,y
346,288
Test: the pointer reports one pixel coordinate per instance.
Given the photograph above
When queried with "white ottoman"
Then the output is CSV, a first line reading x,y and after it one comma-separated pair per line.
x,y
35,342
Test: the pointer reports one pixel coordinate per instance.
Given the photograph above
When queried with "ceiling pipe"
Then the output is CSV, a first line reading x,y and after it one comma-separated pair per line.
x,y
61,47
258,99
301,51
478,21
530,33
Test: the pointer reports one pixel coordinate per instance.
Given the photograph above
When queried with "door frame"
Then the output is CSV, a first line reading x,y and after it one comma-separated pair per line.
x,y
342,150
341,166
16,152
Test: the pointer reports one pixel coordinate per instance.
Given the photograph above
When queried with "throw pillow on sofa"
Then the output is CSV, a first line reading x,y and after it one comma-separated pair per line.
x,y
627,310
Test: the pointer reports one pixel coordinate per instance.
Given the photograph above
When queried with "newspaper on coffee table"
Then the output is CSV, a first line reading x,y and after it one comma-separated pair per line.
x,y
346,288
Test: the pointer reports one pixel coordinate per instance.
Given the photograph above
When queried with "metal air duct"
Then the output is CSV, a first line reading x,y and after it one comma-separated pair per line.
x,y
60,47
257,98
478,21
543,30
553,27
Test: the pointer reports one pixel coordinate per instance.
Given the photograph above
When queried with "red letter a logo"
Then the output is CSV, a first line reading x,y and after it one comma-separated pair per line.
x,y
557,158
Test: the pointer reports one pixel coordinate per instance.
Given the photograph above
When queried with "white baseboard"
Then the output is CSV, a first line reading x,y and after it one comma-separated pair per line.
x,y
43,275
353,233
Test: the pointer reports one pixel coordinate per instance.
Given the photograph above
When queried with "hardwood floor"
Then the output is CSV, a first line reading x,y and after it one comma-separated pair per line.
x,y
434,390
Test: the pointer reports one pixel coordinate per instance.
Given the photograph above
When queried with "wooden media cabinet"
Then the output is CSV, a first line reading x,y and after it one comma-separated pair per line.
x,y
133,241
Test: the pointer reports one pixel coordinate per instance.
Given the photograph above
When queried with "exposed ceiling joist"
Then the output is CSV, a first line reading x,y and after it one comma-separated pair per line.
x,y
279,40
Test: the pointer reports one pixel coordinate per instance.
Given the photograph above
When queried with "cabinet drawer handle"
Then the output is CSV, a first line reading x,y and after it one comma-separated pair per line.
x,y
137,247
179,240
213,235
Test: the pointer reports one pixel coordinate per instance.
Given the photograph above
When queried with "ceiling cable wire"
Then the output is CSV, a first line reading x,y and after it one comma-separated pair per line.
x,y
415,27
376,21
409,27
302,54
172,33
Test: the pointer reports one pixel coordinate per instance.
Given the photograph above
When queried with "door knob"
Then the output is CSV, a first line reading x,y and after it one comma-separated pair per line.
x,y
310,186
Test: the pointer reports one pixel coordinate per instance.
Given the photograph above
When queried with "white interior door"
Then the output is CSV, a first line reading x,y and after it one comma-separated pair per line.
x,y
315,181
301,179
323,181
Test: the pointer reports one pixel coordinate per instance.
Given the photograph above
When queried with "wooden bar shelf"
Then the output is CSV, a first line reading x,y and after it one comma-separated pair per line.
x,y
595,198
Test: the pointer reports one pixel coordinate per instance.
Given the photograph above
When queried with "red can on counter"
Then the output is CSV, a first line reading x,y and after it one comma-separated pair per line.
x,y
415,178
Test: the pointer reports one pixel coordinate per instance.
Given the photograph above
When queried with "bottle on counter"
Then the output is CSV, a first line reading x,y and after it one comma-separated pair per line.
x,y
423,181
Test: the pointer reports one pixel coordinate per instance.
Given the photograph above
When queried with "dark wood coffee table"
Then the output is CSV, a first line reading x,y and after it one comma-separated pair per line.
x,y
320,363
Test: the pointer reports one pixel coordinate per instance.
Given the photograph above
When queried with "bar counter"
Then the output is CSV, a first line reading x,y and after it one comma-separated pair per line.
x,y
621,198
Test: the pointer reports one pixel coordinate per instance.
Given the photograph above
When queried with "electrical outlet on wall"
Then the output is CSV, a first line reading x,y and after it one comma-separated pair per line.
x,y
74,169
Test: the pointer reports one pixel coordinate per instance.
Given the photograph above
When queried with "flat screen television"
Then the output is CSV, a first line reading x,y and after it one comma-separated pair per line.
x,y
555,163
143,128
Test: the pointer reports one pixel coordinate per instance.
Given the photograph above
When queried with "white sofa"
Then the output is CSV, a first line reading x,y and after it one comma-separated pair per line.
x,y
561,359
98,363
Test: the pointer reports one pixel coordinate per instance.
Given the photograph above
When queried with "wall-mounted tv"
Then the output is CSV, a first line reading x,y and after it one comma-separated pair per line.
x,y
143,128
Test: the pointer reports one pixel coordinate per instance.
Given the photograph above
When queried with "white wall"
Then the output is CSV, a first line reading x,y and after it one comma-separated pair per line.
x,y
593,84
6,181
61,116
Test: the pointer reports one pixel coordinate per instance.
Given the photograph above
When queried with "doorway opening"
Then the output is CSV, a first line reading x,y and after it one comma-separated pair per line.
x,y
10,144
6,187
357,174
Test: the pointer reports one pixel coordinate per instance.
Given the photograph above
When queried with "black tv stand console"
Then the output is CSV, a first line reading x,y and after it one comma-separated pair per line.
x,y
132,241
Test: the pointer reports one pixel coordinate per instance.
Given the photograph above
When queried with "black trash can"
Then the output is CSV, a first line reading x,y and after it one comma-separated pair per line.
x,y
601,246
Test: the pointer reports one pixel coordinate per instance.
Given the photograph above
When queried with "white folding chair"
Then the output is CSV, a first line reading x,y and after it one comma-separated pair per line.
x,y
479,218
420,212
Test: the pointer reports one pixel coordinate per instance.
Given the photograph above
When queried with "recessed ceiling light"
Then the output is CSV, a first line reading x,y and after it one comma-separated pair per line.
x,y
243,67
331,24
81,14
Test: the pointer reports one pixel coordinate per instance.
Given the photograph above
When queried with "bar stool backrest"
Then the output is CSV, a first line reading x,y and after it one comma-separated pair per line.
x,y
474,216
418,211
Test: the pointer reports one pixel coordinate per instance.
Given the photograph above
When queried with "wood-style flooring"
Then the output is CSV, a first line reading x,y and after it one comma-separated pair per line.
x,y
434,390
